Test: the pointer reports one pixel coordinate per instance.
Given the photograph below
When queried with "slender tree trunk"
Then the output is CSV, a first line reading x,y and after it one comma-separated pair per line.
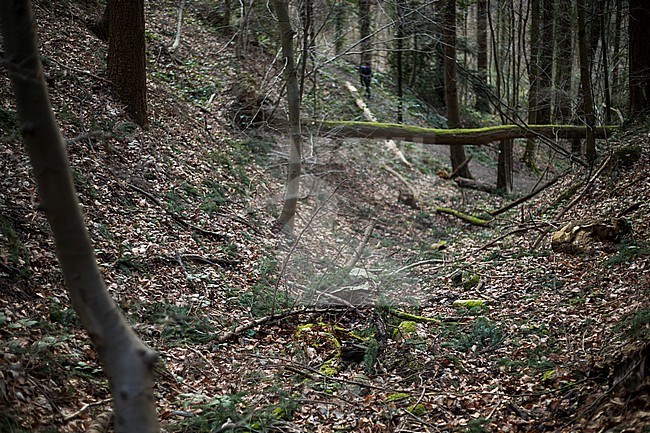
x,y
179,28
587,98
530,154
365,22
128,363
287,215
606,88
127,57
415,60
563,62
399,14
451,90
545,91
482,98
616,45
339,26
639,72
306,12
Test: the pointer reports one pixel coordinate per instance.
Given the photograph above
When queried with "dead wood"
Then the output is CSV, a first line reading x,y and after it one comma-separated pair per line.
x,y
463,216
476,137
526,197
475,184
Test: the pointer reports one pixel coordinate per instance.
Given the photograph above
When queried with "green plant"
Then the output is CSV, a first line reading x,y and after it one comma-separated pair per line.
x,y
483,335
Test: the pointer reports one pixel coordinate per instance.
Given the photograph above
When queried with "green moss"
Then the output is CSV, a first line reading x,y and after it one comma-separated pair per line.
x,y
397,396
417,409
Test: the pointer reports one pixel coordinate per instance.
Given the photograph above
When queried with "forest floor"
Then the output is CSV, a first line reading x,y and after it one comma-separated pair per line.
x,y
382,316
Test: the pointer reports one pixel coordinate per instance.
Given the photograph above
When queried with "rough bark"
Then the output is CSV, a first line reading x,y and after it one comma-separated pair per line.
x,y
287,215
453,137
639,64
127,57
399,40
482,99
128,363
545,63
451,88
339,27
585,84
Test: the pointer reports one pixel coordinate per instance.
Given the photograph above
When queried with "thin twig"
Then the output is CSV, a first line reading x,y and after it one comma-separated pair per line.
x,y
85,407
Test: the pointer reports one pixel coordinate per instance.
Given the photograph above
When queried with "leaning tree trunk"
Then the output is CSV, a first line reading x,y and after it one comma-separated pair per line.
x,y
292,192
451,89
127,361
585,84
127,57
179,28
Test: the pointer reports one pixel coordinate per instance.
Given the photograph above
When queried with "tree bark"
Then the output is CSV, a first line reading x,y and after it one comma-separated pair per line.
x,y
545,63
127,361
292,192
530,154
365,22
639,63
504,167
127,56
399,23
585,84
179,28
451,89
564,62
480,89
339,27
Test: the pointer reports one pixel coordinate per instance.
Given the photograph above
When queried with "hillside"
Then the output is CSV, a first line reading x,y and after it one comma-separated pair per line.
x,y
374,332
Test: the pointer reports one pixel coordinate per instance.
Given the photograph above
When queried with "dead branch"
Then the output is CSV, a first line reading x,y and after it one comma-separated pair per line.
x,y
463,216
526,197
360,247
475,184
454,173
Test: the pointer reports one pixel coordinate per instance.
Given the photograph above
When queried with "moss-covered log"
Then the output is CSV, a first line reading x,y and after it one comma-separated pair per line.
x,y
476,136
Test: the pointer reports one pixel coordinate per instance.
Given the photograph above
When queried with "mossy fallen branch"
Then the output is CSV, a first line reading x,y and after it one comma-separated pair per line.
x,y
475,136
465,217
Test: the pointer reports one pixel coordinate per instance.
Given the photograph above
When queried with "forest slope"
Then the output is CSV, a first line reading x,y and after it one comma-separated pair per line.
x,y
181,217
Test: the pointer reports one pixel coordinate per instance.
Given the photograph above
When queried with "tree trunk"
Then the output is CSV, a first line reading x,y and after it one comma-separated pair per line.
x,y
504,167
365,22
127,57
451,90
179,28
564,62
128,363
482,98
530,154
545,91
618,22
287,216
339,27
399,14
639,28
585,84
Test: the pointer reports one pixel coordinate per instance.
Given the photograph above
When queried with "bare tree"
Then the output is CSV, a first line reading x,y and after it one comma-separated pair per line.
x,y
179,27
482,98
286,219
451,89
127,361
127,57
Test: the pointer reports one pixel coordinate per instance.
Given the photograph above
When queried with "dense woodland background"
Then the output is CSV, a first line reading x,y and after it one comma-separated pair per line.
x,y
206,225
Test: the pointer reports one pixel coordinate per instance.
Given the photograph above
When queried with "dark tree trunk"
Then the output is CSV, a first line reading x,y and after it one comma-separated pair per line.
x,y
451,89
639,28
339,26
127,361
365,21
127,56
530,153
545,64
482,98
585,83
616,45
287,215
504,167
563,62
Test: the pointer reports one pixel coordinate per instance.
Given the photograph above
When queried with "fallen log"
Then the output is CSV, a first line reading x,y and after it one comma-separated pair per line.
x,y
463,216
475,136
